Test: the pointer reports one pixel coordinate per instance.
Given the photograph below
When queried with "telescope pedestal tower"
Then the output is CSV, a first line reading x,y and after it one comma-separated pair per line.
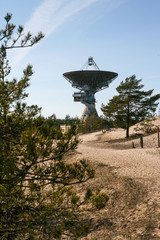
x,y
89,82
88,111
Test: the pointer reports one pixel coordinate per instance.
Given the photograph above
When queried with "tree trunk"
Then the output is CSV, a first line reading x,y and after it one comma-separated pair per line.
x,y
127,132
128,122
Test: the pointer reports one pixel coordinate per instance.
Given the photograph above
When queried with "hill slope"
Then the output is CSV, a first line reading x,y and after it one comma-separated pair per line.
x,y
131,177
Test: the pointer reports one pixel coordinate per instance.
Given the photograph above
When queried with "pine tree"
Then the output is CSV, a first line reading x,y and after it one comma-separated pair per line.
x,y
131,105
36,196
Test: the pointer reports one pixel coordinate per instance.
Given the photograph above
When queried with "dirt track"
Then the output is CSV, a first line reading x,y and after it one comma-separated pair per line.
x,y
141,164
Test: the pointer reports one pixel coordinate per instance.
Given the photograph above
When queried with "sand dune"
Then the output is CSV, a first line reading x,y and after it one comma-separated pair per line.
x,y
131,177
112,148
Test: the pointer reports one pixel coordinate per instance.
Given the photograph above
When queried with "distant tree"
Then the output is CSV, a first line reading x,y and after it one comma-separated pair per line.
x,y
70,121
131,105
53,117
93,123
52,121
37,200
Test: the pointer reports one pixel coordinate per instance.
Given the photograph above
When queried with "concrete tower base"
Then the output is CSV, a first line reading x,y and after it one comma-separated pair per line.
x,y
88,111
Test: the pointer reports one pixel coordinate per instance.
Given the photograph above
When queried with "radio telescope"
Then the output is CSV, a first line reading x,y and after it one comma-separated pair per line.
x,y
88,82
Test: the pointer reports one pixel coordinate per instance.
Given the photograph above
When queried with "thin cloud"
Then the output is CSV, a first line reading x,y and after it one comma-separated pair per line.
x,y
50,15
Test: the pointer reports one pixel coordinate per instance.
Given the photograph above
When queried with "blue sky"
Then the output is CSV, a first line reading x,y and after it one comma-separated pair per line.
x,y
121,35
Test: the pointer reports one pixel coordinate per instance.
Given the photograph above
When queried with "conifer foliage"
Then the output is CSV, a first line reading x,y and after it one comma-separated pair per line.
x,y
131,105
36,196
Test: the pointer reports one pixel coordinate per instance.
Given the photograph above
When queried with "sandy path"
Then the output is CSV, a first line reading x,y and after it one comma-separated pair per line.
x,y
141,164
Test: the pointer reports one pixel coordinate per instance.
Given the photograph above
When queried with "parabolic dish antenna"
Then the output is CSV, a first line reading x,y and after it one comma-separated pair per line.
x,y
89,82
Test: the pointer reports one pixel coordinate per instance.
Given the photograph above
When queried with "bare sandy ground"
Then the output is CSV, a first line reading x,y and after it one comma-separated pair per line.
x,y
140,164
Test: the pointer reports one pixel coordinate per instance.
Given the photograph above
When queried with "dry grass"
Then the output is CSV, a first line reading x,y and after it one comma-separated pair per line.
x,y
127,214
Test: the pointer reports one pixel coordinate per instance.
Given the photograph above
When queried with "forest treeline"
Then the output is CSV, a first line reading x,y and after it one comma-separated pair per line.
x,y
92,123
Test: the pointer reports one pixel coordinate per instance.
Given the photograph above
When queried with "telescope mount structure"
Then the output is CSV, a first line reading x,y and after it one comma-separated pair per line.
x,y
88,82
